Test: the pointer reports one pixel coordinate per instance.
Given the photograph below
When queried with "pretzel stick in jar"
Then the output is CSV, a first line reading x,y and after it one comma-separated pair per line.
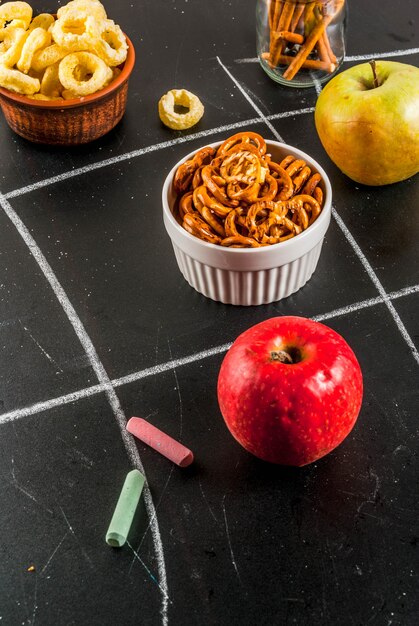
x,y
291,37
326,41
309,43
283,25
298,12
309,64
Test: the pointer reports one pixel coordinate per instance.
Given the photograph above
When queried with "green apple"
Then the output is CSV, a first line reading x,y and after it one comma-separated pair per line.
x,y
367,118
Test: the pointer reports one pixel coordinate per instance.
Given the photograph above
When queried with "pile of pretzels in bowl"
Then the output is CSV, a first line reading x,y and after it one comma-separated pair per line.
x,y
247,218
236,195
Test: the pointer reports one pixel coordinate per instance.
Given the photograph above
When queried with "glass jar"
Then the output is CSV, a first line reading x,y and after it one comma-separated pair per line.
x,y
300,42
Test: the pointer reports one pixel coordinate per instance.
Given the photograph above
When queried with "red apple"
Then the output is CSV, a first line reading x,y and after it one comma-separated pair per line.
x,y
290,390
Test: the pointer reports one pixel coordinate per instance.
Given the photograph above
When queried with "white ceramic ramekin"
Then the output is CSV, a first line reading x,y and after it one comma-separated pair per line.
x,y
248,276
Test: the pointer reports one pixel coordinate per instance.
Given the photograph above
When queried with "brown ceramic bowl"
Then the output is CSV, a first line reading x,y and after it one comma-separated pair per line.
x,y
69,122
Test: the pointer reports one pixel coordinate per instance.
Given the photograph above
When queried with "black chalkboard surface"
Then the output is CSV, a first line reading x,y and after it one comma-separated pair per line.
x,y
97,325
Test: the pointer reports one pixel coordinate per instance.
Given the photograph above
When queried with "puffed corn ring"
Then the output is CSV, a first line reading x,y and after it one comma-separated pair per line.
x,y
15,14
50,83
36,39
48,56
43,20
89,7
101,74
13,44
18,81
184,98
111,44
75,31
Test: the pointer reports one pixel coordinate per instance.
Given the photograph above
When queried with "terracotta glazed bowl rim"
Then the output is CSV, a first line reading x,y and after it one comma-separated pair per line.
x,y
77,102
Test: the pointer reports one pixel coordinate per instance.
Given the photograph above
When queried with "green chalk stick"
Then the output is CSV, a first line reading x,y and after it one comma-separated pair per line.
x,y
125,508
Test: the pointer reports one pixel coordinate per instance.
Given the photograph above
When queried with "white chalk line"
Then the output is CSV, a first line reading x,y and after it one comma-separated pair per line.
x,y
381,55
374,278
249,99
126,157
153,578
46,182
184,139
40,407
353,57
102,377
233,559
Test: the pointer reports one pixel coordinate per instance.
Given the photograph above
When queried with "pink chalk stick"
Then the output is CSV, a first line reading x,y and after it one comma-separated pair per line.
x,y
159,441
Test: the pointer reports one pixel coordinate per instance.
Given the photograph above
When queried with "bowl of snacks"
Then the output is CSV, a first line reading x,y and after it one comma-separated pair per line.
x,y
247,218
64,77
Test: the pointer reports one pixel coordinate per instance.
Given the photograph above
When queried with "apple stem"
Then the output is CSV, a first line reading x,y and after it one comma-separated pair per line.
x,y
285,356
374,72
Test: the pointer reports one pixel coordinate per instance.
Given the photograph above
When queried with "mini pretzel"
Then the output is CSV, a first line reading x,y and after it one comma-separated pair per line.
x,y
203,156
243,138
264,210
201,195
185,172
183,176
208,175
280,229
300,216
318,195
284,179
286,161
248,194
230,222
197,178
311,184
269,190
295,166
310,204
212,220
235,239
239,241
186,204
195,225
242,166
301,178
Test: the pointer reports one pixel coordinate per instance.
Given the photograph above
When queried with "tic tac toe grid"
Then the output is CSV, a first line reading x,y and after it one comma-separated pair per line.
x,y
97,325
